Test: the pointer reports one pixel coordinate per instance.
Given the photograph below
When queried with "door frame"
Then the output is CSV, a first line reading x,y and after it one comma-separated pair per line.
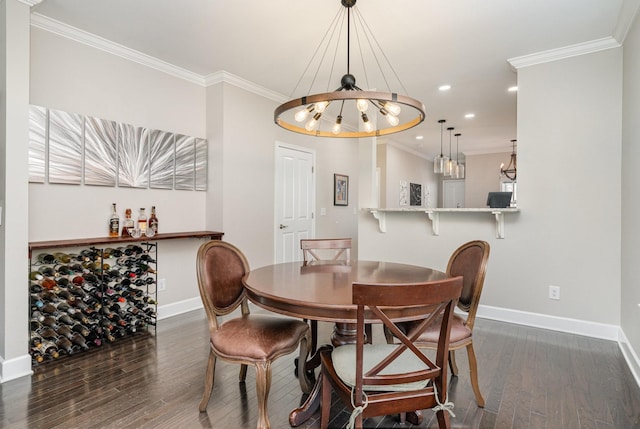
x,y
312,152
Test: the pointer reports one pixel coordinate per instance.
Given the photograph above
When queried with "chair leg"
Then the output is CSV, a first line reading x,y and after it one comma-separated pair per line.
x,y
388,335
306,383
325,407
452,363
473,369
208,382
444,421
263,384
314,336
243,373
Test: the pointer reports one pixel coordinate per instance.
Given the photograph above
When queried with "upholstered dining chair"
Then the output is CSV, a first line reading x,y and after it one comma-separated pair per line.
x,y
469,261
383,379
247,339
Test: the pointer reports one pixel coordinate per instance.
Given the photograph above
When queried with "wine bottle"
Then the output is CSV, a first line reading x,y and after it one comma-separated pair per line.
x,y
81,329
63,258
50,349
66,319
48,333
114,222
50,321
37,315
79,341
49,308
36,355
63,344
36,340
127,224
35,275
142,221
153,220
46,258
65,330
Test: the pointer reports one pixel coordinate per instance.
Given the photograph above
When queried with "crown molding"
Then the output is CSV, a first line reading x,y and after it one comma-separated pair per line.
x,y
31,3
226,77
61,29
565,52
44,23
628,13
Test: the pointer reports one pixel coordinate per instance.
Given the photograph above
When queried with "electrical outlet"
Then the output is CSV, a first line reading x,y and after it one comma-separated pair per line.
x,y
162,285
554,292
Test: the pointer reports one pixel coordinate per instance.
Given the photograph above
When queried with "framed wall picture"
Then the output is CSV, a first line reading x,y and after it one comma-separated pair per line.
x,y
340,190
415,194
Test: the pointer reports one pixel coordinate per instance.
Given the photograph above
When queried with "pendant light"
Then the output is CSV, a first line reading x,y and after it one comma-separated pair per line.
x,y
448,166
511,172
440,160
459,167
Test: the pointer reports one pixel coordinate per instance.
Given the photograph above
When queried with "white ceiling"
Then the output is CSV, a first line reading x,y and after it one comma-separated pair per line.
x,y
464,43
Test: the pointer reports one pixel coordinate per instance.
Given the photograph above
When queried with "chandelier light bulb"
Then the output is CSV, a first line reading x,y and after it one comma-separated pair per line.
x,y
392,119
392,108
368,126
362,104
320,106
313,123
337,126
302,114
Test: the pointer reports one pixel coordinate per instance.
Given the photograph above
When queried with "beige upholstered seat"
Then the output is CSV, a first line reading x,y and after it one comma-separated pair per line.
x,y
383,379
248,339
470,262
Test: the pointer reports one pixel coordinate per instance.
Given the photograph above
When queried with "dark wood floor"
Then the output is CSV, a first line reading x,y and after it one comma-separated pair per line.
x,y
531,378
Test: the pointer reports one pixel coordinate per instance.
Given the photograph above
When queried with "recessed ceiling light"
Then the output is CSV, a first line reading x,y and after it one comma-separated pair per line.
x,y
470,115
444,87
419,137
513,88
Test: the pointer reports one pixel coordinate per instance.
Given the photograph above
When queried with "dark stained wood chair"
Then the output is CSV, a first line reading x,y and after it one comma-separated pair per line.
x,y
384,379
247,339
469,261
324,250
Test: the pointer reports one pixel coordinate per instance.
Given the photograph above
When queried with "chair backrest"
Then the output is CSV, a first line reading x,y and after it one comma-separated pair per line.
x,y
377,300
325,249
220,267
470,262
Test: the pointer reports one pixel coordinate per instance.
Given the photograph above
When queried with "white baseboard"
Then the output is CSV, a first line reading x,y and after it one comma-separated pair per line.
x,y
554,323
630,356
11,369
180,307
572,326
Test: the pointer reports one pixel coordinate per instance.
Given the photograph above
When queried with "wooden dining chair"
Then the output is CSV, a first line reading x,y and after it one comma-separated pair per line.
x,y
326,250
469,261
384,379
246,339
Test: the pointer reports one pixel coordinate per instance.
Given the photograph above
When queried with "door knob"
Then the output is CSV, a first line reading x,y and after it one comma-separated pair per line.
x,y
283,226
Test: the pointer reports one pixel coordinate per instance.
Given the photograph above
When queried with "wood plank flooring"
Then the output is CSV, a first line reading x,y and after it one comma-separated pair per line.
x,y
530,378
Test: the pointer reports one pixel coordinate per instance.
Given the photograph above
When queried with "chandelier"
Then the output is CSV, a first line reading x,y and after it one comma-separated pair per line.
x,y
511,172
324,114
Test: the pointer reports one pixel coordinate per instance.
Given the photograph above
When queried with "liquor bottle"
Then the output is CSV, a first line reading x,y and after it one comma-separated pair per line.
x,y
128,223
114,222
142,221
153,220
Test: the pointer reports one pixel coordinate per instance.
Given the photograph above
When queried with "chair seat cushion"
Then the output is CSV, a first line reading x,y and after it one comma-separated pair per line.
x,y
344,362
258,337
459,331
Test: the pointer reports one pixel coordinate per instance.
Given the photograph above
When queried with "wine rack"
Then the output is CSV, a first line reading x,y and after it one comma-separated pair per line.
x,y
83,300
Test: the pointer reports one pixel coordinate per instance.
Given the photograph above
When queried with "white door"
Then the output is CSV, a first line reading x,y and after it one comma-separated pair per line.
x,y
294,201
453,194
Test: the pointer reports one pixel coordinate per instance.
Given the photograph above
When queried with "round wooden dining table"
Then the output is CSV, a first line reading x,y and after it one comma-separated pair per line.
x,y
322,291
